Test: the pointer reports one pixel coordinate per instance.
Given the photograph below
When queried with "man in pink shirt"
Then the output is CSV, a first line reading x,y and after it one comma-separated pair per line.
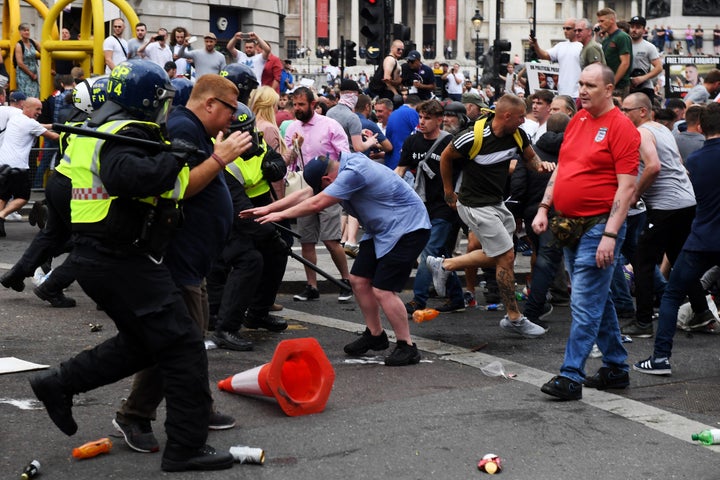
x,y
308,136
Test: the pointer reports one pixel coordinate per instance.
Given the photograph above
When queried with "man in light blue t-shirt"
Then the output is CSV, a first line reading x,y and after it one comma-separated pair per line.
x,y
396,226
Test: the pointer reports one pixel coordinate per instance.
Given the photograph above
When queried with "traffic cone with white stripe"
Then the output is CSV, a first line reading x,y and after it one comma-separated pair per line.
x,y
299,376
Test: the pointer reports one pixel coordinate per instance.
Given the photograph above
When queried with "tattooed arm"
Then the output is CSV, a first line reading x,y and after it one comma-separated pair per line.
x,y
540,222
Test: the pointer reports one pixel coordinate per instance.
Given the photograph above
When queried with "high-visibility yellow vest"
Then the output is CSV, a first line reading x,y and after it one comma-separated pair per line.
x,y
63,165
249,172
90,201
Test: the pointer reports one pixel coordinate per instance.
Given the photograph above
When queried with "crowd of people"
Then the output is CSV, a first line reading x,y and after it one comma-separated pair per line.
x,y
389,176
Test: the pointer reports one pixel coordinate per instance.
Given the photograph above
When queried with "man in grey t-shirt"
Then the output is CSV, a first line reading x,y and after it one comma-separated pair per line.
x,y
691,139
646,63
207,60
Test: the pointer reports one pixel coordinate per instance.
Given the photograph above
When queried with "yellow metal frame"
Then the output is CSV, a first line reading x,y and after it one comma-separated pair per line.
x,y
87,49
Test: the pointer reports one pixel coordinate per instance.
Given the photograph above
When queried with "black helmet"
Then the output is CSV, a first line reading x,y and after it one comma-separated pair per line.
x,y
242,77
142,88
244,121
183,87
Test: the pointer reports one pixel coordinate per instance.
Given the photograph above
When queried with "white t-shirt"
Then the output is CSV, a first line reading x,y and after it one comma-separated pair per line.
x,y
6,113
155,53
567,55
181,63
455,86
19,138
119,53
256,62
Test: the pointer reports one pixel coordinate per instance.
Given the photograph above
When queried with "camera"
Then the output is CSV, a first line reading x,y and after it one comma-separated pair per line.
x,y
596,29
159,38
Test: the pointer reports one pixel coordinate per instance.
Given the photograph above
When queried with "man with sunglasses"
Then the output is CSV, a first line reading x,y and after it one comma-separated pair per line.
x,y
592,51
567,55
115,48
385,83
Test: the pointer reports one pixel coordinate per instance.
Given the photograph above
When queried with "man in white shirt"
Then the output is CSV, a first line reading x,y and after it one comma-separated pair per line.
x,y
256,52
20,135
454,82
567,55
16,100
156,49
115,48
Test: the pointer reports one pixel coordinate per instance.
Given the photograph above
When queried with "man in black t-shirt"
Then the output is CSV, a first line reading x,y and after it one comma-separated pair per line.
x,y
421,153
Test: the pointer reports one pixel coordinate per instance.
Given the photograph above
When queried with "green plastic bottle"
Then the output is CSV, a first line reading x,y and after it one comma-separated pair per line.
x,y
708,437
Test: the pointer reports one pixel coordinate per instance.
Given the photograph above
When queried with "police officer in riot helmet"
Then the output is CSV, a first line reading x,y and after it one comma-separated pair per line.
x,y
125,208
244,79
237,296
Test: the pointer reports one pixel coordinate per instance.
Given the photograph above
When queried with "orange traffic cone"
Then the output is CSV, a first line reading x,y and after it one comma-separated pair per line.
x,y
299,376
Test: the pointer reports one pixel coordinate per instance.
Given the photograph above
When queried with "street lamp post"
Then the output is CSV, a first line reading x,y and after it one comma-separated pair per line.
x,y
477,21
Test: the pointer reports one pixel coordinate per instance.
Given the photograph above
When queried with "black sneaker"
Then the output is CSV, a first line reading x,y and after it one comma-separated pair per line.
x,y
177,458
450,307
138,434
563,388
10,280
310,293
700,320
231,341
367,342
57,401
653,366
56,299
346,294
220,421
636,330
268,322
608,377
403,354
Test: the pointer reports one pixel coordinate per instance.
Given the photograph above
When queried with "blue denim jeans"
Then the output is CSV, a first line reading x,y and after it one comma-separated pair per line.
x,y
593,314
440,230
547,263
687,271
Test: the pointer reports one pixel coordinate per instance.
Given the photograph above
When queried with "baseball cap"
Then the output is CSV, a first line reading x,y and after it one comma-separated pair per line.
x,y
17,96
637,20
210,35
348,85
413,55
475,99
314,170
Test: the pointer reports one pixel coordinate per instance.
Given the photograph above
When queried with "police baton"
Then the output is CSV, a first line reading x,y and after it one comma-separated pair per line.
x,y
139,142
308,263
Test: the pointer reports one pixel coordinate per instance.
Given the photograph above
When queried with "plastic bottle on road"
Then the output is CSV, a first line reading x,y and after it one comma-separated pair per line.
x,y
424,315
92,449
708,437
31,471
491,307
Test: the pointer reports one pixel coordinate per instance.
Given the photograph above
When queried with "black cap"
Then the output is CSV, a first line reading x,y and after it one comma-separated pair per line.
x,y
348,85
413,55
636,20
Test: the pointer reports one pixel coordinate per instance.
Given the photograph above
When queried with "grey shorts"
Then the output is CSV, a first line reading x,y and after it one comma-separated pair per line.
x,y
493,226
321,226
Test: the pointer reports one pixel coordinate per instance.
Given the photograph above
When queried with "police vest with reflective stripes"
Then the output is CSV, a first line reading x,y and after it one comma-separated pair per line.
x,y
249,172
90,201
63,165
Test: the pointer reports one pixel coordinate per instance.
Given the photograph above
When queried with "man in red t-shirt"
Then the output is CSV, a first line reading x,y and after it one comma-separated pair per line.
x,y
594,181
272,71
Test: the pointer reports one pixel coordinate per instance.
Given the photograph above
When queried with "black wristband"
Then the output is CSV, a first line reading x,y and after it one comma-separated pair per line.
x,y
610,234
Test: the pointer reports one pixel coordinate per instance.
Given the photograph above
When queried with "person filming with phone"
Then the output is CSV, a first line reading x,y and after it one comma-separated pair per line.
x,y
156,49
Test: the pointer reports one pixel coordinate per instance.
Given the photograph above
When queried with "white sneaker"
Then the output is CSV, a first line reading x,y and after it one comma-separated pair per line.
x,y
14,217
522,326
439,274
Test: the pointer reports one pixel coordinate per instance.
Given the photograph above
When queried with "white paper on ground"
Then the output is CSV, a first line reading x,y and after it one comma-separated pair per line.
x,y
13,365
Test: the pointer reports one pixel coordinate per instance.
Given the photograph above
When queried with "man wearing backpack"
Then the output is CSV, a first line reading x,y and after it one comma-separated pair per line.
x,y
486,151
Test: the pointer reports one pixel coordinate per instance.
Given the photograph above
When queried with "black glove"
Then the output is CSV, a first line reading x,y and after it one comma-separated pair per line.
x,y
273,166
183,150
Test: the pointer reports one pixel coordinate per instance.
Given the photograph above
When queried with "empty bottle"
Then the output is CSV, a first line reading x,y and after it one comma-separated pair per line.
x,y
424,315
708,437
92,449
31,471
491,307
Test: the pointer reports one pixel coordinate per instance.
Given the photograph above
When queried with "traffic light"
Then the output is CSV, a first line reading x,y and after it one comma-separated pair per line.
x,y
374,30
350,58
334,57
501,57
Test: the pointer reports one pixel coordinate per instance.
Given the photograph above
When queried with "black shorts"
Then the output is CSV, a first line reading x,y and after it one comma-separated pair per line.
x,y
16,185
392,271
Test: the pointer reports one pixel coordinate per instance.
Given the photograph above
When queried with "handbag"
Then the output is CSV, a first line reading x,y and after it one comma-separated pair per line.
x,y
294,180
